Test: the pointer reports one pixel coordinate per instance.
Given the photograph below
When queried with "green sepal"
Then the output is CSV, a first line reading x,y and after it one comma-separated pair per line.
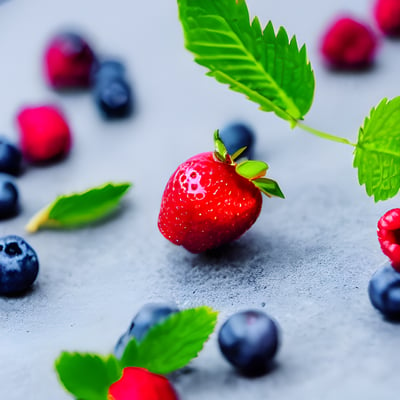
x,y
252,169
220,150
269,187
238,153
87,376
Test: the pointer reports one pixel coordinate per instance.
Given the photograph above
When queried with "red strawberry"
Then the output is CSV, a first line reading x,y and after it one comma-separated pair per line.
x,y
140,384
389,236
210,200
44,133
348,44
68,61
387,16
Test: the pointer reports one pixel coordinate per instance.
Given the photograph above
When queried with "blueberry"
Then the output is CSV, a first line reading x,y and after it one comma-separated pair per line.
x,y
108,70
148,316
384,291
236,136
19,265
113,97
121,344
249,340
9,203
10,157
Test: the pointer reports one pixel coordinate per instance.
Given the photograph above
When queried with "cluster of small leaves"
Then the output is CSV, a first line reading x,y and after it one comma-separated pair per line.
x,y
271,70
252,170
168,346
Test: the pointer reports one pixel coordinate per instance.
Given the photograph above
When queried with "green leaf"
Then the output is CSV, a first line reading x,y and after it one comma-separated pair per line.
x,y
267,67
252,169
130,353
77,209
170,345
377,154
87,376
269,187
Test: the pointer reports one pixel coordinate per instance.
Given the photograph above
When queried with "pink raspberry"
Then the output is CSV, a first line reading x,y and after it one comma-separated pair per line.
x,y
68,61
140,384
44,133
387,16
348,44
389,236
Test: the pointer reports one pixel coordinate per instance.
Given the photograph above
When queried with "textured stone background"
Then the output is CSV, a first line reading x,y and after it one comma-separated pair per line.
x,y
307,260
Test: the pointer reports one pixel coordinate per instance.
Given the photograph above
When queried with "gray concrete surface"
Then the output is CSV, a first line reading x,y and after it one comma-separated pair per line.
x,y
306,261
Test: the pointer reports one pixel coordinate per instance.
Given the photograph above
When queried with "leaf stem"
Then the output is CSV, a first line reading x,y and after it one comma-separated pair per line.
x,y
324,135
37,220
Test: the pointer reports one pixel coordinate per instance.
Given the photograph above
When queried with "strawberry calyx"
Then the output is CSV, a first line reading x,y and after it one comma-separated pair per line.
x,y
253,170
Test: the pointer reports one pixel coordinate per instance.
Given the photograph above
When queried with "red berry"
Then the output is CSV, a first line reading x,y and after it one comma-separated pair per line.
x,y
387,16
68,61
140,384
389,236
44,133
348,44
206,203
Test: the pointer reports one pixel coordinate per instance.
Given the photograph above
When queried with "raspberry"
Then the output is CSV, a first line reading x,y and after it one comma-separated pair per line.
x,y
68,61
387,16
389,236
140,384
44,133
349,44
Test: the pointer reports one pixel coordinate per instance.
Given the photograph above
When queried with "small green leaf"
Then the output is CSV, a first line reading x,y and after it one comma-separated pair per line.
x,y
170,345
130,354
87,376
269,187
267,67
377,154
77,209
252,169
219,147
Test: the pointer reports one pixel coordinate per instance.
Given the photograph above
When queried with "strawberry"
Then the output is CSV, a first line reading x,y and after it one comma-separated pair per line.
x,y
389,236
140,384
210,200
44,133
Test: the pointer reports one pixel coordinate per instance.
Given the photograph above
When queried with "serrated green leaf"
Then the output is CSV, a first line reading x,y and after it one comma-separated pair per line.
x,y
252,168
87,376
170,345
268,68
377,154
269,187
77,209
